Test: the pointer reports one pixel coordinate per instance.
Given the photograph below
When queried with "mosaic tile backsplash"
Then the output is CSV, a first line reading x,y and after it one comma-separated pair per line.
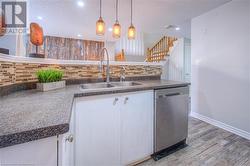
x,y
16,72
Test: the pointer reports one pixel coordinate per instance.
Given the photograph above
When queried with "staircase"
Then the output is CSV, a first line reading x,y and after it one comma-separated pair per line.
x,y
160,50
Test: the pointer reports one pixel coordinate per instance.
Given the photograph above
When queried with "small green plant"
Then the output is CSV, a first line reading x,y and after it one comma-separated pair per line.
x,y
49,75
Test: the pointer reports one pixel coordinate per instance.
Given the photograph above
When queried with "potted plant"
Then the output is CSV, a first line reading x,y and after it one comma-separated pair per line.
x,y
49,79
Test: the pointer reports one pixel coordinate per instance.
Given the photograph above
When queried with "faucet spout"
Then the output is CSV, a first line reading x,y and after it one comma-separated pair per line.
x,y
104,50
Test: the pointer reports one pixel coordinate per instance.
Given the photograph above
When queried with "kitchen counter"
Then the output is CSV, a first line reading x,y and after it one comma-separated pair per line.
x,y
31,115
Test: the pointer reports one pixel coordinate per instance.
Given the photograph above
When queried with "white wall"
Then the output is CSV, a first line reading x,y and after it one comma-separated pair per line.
x,y
151,39
133,58
221,65
131,47
178,63
111,50
16,43
187,60
173,69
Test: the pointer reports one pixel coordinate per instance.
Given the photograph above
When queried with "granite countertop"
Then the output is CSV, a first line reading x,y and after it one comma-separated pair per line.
x,y
31,115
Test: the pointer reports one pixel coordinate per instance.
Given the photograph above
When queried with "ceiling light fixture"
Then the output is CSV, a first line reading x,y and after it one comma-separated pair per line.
x,y
39,17
79,35
177,28
131,29
100,24
80,3
171,27
116,26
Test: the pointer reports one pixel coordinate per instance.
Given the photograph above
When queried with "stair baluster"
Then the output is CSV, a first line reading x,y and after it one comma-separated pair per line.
x,y
158,52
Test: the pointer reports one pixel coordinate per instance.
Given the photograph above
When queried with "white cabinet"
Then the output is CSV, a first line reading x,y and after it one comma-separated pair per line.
x,y
52,151
136,127
66,144
106,130
42,152
113,129
97,131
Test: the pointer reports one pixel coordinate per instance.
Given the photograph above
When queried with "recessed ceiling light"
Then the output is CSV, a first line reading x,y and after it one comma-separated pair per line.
x,y
79,35
39,17
170,27
80,3
110,29
177,28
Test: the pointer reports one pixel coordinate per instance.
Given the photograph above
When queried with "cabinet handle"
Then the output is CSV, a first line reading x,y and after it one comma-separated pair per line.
x,y
70,138
126,100
115,101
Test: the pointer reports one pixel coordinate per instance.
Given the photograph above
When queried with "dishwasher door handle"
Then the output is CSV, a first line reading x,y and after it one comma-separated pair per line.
x,y
167,95
172,94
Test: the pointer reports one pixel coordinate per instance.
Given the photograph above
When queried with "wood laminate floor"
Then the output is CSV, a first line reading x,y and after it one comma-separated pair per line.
x,y
208,146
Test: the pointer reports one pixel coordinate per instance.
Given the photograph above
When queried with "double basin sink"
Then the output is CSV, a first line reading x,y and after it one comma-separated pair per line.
x,y
104,85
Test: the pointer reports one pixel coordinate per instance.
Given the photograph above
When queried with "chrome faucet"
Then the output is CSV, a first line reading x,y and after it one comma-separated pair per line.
x,y
122,74
101,64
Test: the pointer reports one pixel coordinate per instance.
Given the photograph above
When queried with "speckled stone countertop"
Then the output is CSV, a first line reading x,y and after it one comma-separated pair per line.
x,y
30,115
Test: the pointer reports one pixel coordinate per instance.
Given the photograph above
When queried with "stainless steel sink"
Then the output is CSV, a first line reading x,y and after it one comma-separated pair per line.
x,y
125,83
104,85
96,86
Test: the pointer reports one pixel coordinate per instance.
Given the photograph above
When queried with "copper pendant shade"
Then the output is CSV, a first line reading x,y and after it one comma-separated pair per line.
x,y
100,27
131,29
100,24
117,30
116,26
131,32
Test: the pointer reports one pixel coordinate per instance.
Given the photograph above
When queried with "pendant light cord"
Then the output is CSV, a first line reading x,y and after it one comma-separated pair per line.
x,y
116,10
131,12
100,8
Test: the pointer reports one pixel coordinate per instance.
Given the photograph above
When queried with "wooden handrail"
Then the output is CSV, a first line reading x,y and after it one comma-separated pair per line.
x,y
158,52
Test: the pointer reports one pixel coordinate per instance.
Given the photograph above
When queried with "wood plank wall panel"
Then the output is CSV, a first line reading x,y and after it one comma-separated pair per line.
x,y
68,48
72,49
14,73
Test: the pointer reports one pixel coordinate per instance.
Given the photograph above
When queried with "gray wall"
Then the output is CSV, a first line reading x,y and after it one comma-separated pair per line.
x,y
221,65
8,42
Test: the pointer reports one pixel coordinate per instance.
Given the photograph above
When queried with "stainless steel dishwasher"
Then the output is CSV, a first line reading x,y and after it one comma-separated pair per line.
x,y
170,120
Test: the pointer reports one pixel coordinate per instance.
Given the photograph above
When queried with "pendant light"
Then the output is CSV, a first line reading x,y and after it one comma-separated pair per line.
x,y
116,26
100,24
131,29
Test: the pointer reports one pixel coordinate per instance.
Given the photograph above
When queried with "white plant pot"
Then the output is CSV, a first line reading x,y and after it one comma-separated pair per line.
x,y
50,86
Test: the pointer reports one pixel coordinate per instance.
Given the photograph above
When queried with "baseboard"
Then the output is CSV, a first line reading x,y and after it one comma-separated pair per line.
x,y
221,125
140,161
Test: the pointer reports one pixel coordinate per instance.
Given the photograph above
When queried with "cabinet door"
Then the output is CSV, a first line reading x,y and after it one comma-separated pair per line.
x,y
136,126
41,152
66,143
97,136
